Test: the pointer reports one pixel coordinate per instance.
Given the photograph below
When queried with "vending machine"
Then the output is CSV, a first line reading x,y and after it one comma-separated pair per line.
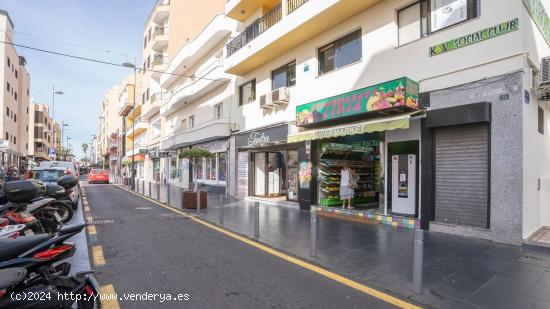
x,y
404,184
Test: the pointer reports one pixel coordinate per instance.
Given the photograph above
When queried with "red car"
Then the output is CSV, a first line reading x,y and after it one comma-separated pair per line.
x,y
97,176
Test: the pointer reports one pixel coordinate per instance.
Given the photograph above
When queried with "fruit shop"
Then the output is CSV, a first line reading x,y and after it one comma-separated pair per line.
x,y
376,130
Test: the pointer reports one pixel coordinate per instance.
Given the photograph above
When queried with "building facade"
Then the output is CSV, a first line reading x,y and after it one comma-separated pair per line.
x,y
14,99
45,134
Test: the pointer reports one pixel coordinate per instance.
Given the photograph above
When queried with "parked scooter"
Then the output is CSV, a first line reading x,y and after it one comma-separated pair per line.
x,y
10,231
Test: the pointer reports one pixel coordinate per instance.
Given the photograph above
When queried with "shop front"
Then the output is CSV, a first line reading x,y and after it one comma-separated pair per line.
x,y
267,166
212,172
376,132
154,158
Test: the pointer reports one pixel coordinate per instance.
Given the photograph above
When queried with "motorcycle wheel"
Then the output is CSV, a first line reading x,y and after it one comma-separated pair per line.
x,y
68,284
64,210
48,226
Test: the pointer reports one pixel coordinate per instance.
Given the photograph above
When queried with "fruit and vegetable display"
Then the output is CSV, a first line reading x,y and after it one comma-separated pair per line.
x,y
400,93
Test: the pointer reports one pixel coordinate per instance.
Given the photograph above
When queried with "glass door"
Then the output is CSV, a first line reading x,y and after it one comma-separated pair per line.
x,y
274,173
259,174
292,175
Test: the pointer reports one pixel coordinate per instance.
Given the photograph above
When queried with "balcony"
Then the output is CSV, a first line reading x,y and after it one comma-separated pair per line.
x,y
193,89
159,12
159,65
210,130
136,149
160,38
301,21
139,126
241,10
255,29
152,106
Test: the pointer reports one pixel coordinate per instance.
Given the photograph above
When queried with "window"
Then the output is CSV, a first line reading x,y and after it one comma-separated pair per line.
x,y
15,94
9,62
8,86
27,110
7,136
144,41
143,98
147,95
183,124
428,16
200,171
15,117
7,111
222,166
284,76
16,74
218,111
191,122
541,120
341,52
15,140
247,92
210,169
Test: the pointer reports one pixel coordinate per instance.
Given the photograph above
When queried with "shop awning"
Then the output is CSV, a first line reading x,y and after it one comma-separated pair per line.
x,y
367,126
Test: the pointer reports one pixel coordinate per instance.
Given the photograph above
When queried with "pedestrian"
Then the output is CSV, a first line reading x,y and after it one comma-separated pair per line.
x,y
347,185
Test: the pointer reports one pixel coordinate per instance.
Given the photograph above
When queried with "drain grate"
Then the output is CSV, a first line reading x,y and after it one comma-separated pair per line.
x,y
101,221
535,259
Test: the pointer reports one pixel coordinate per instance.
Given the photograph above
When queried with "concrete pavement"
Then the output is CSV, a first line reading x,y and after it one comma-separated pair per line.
x,y
150,249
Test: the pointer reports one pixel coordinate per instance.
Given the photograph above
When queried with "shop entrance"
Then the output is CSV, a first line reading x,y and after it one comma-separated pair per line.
x,y
275,174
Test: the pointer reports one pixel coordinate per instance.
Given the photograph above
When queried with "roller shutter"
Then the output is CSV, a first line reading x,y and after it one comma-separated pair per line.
x,y
462,175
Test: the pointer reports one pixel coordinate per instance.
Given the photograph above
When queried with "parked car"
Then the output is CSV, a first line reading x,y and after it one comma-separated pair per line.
x,y
98,176
70,167
50,176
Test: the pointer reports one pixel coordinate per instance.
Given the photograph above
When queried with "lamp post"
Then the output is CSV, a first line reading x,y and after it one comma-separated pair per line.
x,y
53,100
133,66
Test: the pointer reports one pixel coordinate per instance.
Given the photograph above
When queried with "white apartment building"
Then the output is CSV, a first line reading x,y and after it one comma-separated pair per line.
x,y
197,105
15,81
434,103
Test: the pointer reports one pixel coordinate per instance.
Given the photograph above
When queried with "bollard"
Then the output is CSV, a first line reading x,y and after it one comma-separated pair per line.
x,y
198,202
168,194
256,219
158,192
150,185
313,233
221,210
418,256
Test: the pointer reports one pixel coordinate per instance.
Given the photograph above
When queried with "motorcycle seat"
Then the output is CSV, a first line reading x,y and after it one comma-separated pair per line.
x,y
13,247
11,276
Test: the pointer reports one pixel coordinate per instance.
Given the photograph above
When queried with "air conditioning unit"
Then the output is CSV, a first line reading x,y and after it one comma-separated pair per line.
x,y
545,69
235,127
280,96
542,91
266,102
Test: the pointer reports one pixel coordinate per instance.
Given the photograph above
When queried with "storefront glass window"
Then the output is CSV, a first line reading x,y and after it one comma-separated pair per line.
x,y
210,168
200,171
222,166
156,170
173,169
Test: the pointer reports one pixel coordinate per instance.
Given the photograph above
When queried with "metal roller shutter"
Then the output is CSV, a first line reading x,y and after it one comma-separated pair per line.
x,y
462,175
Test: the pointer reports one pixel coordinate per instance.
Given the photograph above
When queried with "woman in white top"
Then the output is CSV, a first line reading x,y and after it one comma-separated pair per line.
x,y
346,190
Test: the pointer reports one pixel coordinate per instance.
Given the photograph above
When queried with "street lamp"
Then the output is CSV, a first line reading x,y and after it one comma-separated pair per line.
x,y
53,100
133,66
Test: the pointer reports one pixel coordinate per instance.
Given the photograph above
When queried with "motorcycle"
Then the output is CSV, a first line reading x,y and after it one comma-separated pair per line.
x,y
10,231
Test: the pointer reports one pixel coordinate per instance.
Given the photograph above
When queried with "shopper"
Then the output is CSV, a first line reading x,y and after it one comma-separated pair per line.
x,y
346,185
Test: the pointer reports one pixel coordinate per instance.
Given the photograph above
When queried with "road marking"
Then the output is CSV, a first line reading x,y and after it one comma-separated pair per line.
x,y
89,219
86,209
97,255
91,230
323,272
109,295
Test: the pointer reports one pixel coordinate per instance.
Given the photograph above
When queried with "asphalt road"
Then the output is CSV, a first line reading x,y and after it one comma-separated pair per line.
x,y
149,249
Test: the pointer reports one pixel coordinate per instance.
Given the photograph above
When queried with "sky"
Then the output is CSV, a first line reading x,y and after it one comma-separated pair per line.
x,y
108,30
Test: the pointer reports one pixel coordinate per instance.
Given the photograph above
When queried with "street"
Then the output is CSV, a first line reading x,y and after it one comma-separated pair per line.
x,y
148,249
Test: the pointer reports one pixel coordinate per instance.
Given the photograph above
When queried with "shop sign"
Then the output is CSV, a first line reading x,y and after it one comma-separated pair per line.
x,y
476,37
538,14
154,152
164,154
262,137
215,146
401,92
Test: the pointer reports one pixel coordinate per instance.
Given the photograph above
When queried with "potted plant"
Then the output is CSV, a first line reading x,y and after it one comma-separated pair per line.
x,y
194,155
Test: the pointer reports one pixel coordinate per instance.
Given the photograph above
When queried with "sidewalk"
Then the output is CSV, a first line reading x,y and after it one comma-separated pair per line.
x,y
458,272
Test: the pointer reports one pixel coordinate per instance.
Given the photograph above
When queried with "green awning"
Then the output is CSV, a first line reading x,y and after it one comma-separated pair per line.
x,y
368,126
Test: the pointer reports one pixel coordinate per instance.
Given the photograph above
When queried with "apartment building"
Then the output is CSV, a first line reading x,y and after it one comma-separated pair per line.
x,y
170,26
44,135
197,105
436,105
14,99
110,133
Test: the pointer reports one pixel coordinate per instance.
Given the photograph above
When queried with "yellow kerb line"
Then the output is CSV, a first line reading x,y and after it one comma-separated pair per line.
x,y
109,300
97,255
338,278
91,230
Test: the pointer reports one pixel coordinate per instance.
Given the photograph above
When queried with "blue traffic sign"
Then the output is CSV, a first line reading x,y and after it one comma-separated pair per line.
x,y
51,151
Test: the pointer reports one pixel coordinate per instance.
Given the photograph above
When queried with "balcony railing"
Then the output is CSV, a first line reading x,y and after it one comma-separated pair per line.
x,y
41,149
255,29
292,5
155,97
158,31
159,59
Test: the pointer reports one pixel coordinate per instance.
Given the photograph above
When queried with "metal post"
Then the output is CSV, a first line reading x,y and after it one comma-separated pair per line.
x,y
150,194
256,219
168,194
158,192
221,209
198,202
313,233
418,256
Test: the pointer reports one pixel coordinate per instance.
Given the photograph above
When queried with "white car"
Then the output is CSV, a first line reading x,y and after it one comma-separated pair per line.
x,y
69,166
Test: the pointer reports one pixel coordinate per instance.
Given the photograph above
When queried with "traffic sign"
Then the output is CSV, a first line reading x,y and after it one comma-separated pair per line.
x,y
51,152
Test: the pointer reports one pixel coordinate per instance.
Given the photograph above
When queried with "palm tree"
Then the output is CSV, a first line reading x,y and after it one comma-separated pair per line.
x,y
85,148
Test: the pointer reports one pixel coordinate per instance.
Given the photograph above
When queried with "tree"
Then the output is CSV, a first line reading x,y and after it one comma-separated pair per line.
x,y
194,155
64,154
84,149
